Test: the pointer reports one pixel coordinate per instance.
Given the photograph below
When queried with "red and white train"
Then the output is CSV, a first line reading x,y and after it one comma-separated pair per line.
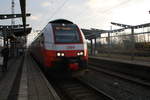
x,y
60,45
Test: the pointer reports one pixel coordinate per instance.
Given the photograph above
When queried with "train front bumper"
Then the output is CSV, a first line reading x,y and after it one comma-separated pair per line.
x,y
70,63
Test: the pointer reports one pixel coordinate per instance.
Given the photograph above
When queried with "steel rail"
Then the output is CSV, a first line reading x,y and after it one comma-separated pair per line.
x,y
119,75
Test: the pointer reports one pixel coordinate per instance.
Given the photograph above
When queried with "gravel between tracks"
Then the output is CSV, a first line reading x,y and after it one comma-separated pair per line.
x,y
118,88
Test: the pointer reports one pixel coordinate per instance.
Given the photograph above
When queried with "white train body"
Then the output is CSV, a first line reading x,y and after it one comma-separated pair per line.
x,y
61,42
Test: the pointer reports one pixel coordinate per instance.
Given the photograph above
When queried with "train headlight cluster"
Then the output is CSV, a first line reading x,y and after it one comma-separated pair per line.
x,y
80,53
59,54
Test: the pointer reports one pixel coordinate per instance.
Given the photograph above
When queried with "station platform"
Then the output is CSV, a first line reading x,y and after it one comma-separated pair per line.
x,y
138,71
25,81
133,62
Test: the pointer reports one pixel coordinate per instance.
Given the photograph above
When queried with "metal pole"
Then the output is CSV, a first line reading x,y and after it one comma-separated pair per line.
x,y
4,36
100,40
95,47
108,44
91,47
13,12
12,24
133,43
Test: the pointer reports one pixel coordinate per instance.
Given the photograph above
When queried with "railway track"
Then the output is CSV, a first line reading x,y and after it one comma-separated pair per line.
x,y
75,89
69,88
97,67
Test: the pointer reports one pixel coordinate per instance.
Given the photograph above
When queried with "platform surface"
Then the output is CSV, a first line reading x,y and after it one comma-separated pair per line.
x,y
7,79
25,81
38,87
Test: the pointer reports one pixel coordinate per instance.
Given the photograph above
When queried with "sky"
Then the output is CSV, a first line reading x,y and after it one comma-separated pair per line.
x,y
89,13
85,13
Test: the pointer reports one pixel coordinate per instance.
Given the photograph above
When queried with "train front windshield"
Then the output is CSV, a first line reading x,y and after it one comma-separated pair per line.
x,y
66,34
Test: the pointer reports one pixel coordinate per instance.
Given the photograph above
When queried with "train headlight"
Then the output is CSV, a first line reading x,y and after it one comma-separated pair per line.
x,y
80,53
58,54
62,54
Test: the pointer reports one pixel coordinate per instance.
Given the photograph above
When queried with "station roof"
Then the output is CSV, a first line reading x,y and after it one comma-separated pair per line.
x,y
23,11
10,26
17,32
20,31
94,33
9,16
131,26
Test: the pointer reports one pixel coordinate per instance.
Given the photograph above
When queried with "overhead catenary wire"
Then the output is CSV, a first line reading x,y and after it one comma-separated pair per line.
x,y
65,1
54,13
105,11
58,9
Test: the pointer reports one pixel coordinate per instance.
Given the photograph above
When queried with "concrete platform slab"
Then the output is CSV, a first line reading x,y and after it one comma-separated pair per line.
x,y
38,88
7,79
25,81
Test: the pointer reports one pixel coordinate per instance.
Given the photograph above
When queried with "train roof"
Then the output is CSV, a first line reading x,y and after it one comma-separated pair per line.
x,y
61,21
